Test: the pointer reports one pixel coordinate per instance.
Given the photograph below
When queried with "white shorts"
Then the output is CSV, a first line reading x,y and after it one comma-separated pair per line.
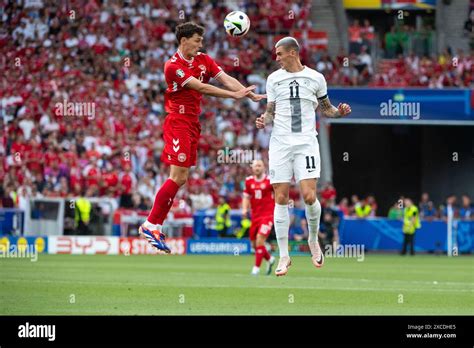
x,y
296,155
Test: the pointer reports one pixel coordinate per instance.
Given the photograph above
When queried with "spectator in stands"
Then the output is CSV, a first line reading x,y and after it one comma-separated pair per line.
x,y
365,65
427,209
6,200
327,193
373,205
354,202
325,65
201,198
298,223
390,43
344,207
328,230
365,208
368,35
450,210
396,210
425,198
355,37
467,211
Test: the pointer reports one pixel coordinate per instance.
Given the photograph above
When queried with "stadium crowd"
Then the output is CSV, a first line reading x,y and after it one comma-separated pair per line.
x,y
106,60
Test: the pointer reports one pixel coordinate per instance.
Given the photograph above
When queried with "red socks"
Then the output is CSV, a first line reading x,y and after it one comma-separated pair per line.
x,y
163,202
261,253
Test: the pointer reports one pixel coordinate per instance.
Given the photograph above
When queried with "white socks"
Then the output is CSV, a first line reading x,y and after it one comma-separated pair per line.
x,y
282,226
151,226
313,215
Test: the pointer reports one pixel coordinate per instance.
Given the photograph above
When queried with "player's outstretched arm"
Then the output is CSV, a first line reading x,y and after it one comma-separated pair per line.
x,y
330,110
267,116
207,89
233,84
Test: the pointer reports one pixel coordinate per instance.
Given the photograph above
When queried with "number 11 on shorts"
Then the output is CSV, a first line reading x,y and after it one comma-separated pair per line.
x,y
313,164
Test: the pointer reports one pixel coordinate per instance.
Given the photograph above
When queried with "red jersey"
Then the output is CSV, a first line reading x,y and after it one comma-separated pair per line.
x,y
178,72
260,192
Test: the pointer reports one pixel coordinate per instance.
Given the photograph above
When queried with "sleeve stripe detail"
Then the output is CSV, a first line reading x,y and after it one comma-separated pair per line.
x,y
186,81
323,97
220,72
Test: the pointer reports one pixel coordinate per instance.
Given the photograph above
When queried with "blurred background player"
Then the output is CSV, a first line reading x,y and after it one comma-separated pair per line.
x,y
259,201
293,94
187,74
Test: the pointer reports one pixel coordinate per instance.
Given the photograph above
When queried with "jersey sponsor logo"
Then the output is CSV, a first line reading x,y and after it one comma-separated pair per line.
x,y
182,157
180,73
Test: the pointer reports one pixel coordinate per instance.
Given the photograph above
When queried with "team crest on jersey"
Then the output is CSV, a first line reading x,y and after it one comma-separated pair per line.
x,y
180,73
182,157
272,173
202,67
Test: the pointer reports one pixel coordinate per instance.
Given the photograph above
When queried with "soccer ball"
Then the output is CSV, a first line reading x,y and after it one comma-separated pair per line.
x,y
236,23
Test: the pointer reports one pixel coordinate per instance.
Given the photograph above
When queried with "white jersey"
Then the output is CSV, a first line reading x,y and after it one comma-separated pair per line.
x,y
295,96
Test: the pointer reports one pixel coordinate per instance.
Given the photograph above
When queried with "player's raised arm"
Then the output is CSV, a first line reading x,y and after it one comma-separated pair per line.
x,y
331,111
233,84
267,116
207,89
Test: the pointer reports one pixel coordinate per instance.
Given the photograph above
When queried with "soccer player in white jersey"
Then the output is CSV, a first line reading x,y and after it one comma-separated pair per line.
x,y
293,94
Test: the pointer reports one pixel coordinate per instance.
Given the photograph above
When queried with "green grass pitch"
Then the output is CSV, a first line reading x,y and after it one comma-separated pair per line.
x,y
222,285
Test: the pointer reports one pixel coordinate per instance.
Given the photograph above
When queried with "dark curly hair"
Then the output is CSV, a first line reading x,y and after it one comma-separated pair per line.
x,y
187,30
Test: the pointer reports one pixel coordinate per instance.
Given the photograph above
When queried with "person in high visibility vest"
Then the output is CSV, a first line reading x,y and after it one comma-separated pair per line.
x,y
411,222
362,209
223,222
83,208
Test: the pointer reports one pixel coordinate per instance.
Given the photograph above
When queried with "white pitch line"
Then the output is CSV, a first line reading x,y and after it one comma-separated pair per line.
x,y
276,286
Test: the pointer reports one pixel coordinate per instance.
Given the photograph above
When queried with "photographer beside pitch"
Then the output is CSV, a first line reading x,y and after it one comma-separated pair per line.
x,y
293,94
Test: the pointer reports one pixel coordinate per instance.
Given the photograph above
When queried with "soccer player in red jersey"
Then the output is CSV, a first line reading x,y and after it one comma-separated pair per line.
x,y
258,198
187,74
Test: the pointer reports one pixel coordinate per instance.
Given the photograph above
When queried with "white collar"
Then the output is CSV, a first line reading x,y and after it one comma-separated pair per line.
x,y
182,57
263,178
